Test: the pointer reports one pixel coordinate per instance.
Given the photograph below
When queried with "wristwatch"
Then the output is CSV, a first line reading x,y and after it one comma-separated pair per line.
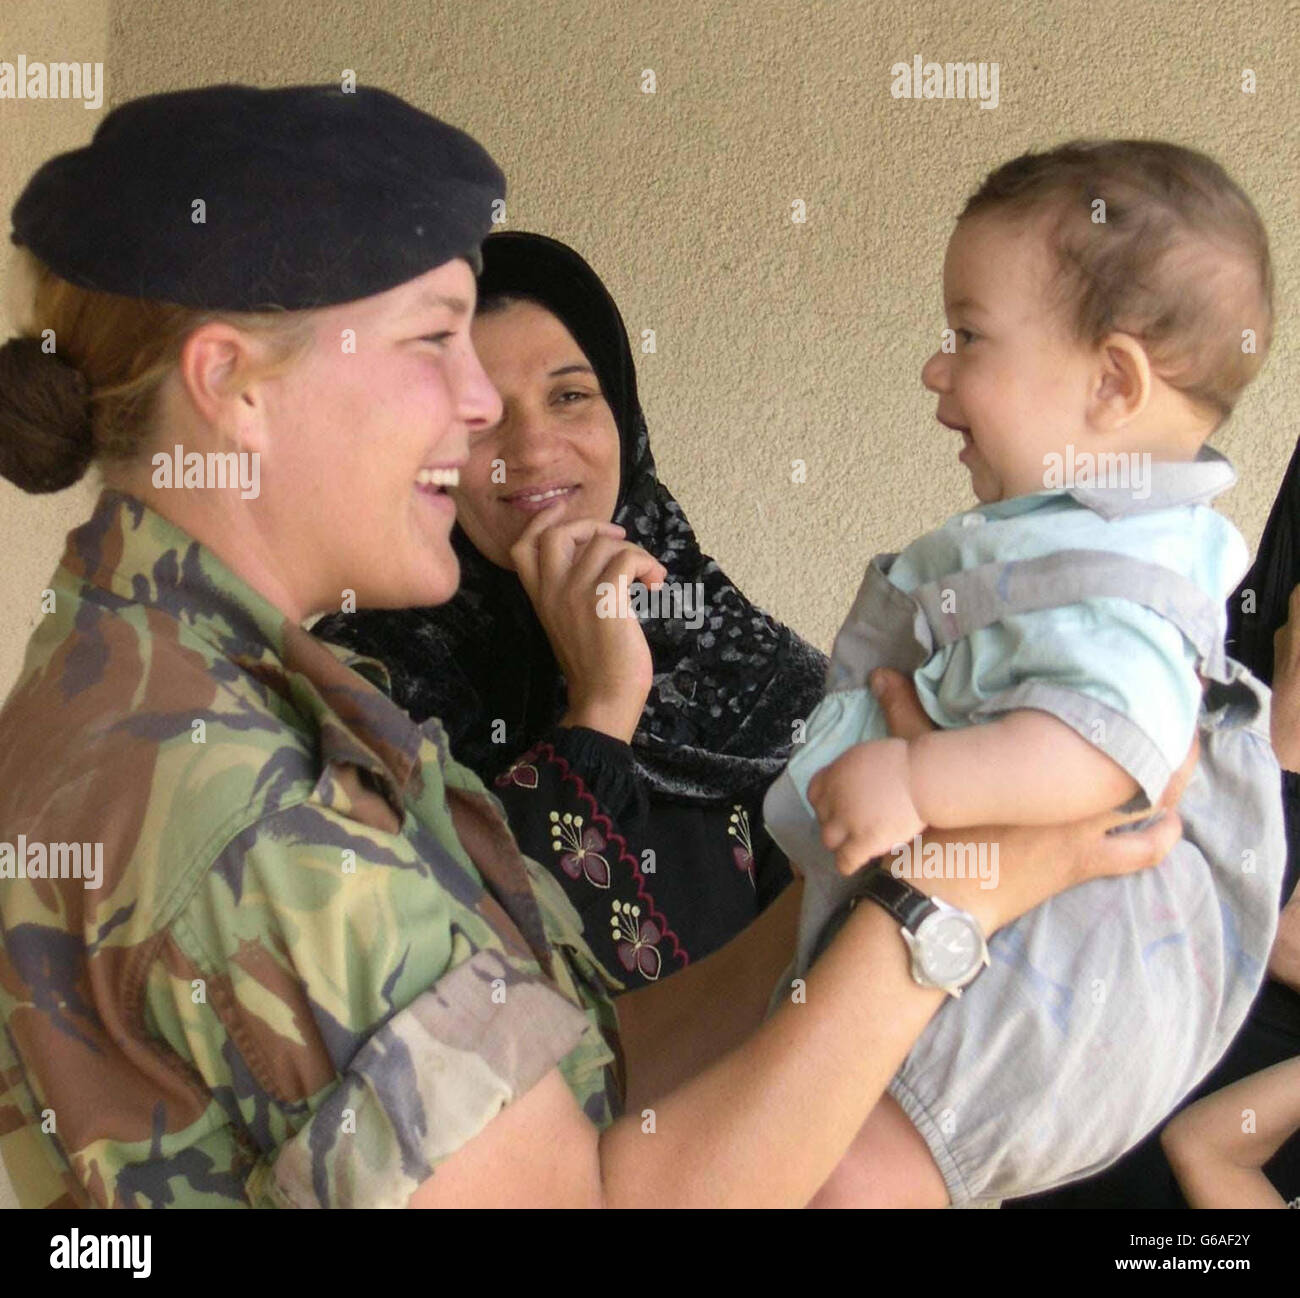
x,y
946,944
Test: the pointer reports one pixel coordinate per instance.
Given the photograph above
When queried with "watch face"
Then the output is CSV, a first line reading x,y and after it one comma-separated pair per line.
x,y
949,949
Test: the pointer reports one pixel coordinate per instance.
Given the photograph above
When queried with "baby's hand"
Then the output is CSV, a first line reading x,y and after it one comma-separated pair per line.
x,y
864,802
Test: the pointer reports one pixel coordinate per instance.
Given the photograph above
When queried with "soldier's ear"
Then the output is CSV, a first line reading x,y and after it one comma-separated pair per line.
x,y
219,370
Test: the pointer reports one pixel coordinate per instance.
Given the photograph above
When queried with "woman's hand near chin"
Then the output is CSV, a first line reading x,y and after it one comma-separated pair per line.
x,y
606,661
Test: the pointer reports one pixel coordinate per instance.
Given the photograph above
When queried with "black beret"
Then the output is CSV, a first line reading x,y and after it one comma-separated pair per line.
x,y
310,196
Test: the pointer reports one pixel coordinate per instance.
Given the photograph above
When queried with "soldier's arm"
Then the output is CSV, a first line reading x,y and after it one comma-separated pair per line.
x,y
346,1023
741,1130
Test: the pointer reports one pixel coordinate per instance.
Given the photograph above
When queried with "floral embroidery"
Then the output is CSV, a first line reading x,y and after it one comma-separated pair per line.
x,y
743,852
521,773
589,846
636,940
583,859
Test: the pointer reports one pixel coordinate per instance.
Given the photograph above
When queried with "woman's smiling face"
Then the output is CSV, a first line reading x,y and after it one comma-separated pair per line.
x,y
556,438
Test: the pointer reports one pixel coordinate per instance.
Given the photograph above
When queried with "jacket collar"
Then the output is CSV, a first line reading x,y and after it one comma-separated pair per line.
x,y
136,556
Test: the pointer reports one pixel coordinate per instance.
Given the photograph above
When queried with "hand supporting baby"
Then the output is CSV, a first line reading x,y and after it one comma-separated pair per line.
x,y
863,800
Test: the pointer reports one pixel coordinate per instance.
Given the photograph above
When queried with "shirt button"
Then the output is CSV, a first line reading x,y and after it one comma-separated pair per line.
x,y
972,520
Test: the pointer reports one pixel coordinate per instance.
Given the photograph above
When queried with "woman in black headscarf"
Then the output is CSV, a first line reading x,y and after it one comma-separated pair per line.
x,y
1264,635
631,754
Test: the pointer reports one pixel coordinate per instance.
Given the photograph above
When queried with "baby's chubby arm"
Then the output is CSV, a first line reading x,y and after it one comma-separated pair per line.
x,y
1026,768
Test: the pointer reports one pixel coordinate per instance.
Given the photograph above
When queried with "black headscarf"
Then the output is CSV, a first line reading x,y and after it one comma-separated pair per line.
x,y
718,719
1267,587
1265,590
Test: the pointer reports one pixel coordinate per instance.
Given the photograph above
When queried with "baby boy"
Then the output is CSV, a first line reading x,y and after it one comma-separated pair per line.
x,y
1107,302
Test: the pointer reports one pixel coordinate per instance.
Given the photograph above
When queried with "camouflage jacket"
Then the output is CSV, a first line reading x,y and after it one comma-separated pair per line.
x,y
313,963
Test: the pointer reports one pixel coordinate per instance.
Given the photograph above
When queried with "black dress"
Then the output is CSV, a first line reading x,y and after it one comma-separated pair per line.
x,y
658,881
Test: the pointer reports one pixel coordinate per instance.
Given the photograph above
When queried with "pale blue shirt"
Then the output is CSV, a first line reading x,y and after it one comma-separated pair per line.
x,y
1105,1005
1119,673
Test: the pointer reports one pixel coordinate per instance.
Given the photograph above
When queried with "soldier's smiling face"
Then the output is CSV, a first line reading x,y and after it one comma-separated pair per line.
x,y
370,429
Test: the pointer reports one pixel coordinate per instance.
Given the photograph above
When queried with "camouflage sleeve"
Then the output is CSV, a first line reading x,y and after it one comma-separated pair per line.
x,y
36,1179
424,1084
345,997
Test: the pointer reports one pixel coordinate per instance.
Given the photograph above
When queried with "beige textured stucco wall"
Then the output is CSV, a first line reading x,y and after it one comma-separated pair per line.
x,y
775,340
32,527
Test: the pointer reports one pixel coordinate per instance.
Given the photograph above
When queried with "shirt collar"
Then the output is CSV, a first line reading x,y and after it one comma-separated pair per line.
x,y
1167,485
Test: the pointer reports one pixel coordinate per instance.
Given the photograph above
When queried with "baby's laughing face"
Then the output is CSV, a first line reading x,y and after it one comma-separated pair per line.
x,y
1017,385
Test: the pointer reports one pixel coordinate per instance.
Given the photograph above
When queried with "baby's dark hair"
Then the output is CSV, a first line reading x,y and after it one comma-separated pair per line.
x,y
1153,240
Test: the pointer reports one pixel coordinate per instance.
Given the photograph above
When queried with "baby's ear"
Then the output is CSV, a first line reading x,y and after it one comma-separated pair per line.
x,y
1123,381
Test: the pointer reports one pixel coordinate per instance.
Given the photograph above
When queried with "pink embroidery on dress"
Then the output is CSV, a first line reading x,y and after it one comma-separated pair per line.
x,y
583,859
615,844
521,773
743,852
636,940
